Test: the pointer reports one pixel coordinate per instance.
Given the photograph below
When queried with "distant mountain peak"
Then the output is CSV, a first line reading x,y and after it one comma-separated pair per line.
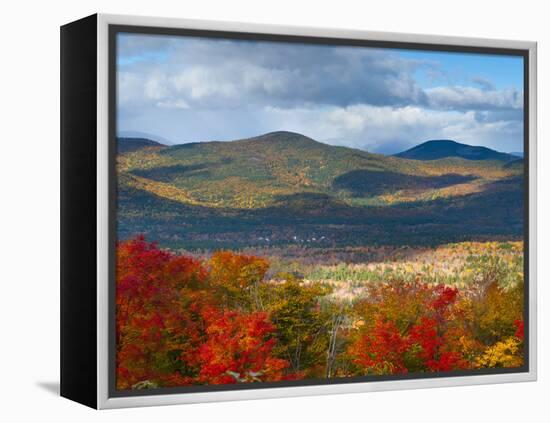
x,y
442,142
282,139
129,144
144,135
441,149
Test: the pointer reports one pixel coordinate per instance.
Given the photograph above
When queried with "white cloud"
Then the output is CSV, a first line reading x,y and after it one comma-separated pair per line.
x,y
156,88
483,83
392,129
129,88
176,104
206,74
472,98
195,90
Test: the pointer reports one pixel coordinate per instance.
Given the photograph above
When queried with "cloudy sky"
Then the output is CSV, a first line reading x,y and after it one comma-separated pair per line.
x,y
187,89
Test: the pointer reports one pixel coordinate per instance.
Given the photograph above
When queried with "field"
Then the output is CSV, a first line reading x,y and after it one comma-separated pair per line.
x,y
351,270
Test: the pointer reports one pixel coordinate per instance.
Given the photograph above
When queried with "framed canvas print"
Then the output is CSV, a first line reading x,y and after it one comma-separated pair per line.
x,y
254,211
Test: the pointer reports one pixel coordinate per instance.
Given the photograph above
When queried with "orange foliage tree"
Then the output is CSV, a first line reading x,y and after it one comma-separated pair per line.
x,y
171,331
408,327
181,321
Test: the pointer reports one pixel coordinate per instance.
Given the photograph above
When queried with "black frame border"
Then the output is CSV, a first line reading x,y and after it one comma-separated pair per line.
x,y
114,29
78,211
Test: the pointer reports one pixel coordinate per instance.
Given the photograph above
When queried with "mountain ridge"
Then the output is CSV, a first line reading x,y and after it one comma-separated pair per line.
x,y
253,172
441,149
130,144
285,186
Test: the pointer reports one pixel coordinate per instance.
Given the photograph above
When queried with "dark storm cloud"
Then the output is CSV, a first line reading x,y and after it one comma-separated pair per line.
x,y
205,74
172,73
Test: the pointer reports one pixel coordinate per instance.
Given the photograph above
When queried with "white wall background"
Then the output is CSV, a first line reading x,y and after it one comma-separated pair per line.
x,y
29,231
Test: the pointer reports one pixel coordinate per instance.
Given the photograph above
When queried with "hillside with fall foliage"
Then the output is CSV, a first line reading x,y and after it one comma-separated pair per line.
x,y
285,188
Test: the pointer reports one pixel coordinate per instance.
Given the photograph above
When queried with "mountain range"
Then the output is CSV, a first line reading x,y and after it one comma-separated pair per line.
x,y
283,185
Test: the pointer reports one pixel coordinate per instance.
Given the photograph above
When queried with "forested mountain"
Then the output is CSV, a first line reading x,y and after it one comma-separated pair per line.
x,y
284,187
440,149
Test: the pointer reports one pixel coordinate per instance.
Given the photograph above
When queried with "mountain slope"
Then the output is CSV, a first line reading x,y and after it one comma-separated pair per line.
x,y
257,172
285,187
251,172
515,164
440,149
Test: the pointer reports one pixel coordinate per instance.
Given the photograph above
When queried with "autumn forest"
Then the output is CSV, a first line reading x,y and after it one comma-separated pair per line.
x,y
280,258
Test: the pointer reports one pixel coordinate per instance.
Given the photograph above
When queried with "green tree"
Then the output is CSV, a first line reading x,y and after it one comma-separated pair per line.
x,y
302,324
